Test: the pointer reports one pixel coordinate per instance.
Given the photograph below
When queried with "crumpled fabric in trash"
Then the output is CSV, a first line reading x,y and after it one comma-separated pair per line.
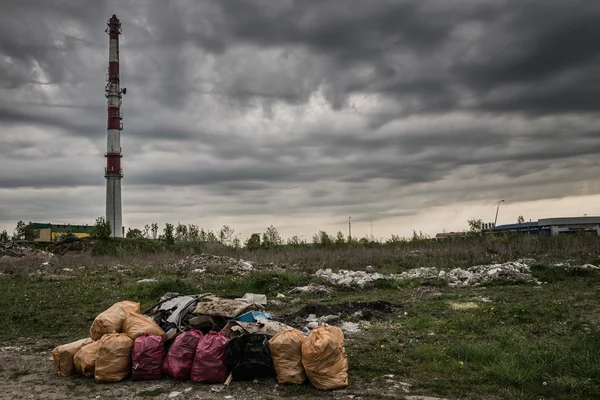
x,y
215,306
262,326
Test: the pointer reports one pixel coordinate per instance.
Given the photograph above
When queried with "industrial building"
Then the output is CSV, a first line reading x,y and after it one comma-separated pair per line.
x,y
555,226
54,233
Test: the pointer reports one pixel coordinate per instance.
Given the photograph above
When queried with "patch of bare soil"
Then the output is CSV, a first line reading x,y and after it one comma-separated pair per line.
x,y
27,373
365,310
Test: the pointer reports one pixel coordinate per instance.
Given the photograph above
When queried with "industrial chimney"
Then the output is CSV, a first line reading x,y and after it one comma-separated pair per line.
x,y
113,172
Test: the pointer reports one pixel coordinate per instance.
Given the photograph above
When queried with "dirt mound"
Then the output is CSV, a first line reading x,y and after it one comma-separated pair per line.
x,y
364,310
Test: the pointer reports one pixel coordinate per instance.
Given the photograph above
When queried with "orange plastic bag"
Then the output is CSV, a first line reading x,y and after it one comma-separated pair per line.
x,y
63,356
324,358
286,352
137,325
112,319
113,362
85,359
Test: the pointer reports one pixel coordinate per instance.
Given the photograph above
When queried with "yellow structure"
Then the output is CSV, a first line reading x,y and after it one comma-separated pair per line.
x,y
54,233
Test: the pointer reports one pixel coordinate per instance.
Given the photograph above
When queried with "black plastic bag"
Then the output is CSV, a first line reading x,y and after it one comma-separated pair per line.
x,y
248,357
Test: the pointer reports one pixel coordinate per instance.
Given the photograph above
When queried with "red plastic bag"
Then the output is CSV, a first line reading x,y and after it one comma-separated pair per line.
x,y
147,357
180,358
210,363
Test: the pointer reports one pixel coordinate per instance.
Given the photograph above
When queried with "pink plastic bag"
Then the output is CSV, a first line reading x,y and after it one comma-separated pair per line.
x,y
180,358
210,363
147,357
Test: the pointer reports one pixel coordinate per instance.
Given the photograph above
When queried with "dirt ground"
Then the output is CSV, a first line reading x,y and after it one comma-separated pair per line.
x,y
27,373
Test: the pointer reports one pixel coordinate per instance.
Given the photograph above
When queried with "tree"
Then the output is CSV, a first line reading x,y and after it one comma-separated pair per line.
x,y
154,229
101,229
271,238
146,231
134,234
520,220
253,242
193,231
323,239
225,234
475,225
181,231
168,234
340,239
4,236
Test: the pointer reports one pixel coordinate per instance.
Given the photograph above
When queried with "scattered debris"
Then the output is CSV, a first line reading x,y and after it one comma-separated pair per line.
x,y
67,269
253,298
463,306
174,394
350,327
151,280
350,278
280,296
512,271
585,266
200,263
369,269
313,289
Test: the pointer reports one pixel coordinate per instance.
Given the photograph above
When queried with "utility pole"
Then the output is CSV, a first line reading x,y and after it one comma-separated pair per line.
x,y
349,229
497,208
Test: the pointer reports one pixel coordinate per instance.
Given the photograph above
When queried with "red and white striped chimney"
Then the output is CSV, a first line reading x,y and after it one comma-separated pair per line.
x,y
113,172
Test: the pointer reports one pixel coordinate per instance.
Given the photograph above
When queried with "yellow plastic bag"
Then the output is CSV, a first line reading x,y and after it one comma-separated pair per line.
x,y
63,356
85,359
113,362
286,352
112,319
137,325
324,358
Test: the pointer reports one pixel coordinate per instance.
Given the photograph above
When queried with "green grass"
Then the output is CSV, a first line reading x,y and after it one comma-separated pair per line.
x,y
528,342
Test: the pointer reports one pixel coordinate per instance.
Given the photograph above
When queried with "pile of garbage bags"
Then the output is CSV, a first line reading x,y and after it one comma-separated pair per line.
x,y
205,339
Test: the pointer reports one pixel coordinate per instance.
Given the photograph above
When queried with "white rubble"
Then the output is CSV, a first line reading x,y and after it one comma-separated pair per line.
x,y
149,280
350,327
512,271
350,278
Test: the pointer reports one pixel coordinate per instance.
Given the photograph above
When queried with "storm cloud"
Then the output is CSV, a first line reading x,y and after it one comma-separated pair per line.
x,y
301,113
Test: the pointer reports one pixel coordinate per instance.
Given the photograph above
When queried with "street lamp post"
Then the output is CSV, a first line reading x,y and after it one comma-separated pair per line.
x,y
349,230
497,208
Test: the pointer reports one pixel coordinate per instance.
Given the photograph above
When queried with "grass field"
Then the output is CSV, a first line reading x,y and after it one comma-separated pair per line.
x,y
500,341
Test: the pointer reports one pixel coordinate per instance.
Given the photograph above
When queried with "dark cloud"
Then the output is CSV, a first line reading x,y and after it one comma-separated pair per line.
x,y
244,108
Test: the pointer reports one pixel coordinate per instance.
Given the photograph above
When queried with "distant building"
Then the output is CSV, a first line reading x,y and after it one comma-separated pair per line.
x,y
54,233
555,226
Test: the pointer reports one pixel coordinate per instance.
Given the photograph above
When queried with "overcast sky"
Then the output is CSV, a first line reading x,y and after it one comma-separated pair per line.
x,y
413,114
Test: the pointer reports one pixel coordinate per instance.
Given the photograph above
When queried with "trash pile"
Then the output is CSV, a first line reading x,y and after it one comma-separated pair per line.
x,y
516,271
349,278
206,339
11,250
202,262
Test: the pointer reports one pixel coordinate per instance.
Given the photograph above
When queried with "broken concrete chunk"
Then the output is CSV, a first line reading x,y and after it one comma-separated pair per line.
x,y
369,269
